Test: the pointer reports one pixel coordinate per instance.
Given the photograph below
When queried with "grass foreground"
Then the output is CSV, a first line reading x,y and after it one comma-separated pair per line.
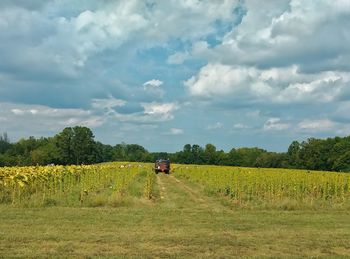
x,y
179,221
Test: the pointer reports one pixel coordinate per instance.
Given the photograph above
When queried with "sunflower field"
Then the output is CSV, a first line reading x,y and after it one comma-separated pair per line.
x,y
73,184
258,185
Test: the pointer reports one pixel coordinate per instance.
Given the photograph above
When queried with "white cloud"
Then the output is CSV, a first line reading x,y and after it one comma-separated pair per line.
x,y
275,124
325,89
18,111
62,37
313,35
277,85
316,125
94,31
153,112
108,104
240,126
21,112
44,111
325,125
34,111
47,119
18,116
159,108
176,131
287,59
160,111
188,19
93,121
218,79
201,49
153,83
178,58
215,126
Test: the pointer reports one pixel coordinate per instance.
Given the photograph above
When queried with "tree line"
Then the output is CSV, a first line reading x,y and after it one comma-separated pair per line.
x,y
76,145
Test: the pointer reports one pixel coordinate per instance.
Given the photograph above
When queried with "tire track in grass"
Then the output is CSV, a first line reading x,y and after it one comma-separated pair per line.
x,y
193,194
162,190
199,198
194,197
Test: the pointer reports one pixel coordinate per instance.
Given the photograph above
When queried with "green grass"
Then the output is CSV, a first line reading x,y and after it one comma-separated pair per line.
x,y
180,222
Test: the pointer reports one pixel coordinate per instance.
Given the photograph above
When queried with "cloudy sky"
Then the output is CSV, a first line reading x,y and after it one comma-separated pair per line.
x,y
165,73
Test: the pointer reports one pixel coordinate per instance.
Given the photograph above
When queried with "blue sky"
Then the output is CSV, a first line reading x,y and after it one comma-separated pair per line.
x,y
166,73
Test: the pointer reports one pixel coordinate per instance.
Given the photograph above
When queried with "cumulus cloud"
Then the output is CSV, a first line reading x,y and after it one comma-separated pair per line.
x,y
153,83
54,44
290,52
314,35
241,61
161,110
326,88
65,42
278,85
218,79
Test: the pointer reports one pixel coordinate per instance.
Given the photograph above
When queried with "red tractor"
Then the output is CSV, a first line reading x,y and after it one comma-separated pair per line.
x,y
162,165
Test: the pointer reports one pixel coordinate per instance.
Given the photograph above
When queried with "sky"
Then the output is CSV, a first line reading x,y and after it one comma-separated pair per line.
x,y
166,73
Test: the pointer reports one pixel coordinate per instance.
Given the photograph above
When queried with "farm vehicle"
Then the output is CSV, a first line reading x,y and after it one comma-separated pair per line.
x,y
162,165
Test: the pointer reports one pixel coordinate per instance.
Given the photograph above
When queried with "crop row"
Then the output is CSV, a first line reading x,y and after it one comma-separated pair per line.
x,y
270,185
21,185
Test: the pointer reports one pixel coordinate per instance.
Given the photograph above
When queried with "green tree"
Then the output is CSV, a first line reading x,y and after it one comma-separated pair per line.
x,y
197,154
76,145
246,156
210,155
343,163
4,143
46,154
21,150
294,154
338,153
119,152
136,152
83,145
232,158
64,143
270,160
103,153
187,148
315,154
221,157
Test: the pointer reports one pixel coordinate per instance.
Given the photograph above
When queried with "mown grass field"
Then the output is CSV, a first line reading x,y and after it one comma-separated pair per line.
x,y
169,216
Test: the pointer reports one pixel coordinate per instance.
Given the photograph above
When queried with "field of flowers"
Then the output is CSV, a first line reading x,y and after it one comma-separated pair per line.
x,y
258,185
72,184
